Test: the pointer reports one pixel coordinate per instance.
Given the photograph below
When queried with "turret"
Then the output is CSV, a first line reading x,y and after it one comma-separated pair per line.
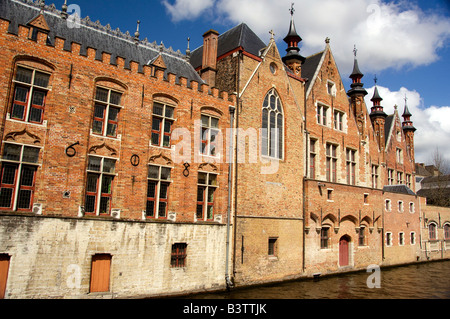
x,y
356,94
293,59
378,118
408,130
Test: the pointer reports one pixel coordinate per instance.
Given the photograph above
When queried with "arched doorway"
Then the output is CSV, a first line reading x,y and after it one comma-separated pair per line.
x,y
344,250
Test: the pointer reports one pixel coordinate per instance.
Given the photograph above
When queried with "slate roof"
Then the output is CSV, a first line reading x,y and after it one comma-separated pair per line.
x,y
94,35
239,36
401,189
310,66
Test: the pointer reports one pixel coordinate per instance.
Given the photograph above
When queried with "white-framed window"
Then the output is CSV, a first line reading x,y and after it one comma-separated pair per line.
x,y
107,105
401,238
388,239
390,176
210,132
412,238
158,184
331,88
162,122
30,94
207,186
399,178
351,166
322,114
312,158
400,206
408,180
387,205
18,176
399,154
338,118
411,207
272,139
99,185
331,162
374,176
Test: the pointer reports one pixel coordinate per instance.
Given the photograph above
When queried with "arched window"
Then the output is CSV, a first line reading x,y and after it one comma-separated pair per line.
x,y
432,231
272,126
447,231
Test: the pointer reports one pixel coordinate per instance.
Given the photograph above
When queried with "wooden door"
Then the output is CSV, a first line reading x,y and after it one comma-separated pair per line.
x,y
100,272
343,251
4,268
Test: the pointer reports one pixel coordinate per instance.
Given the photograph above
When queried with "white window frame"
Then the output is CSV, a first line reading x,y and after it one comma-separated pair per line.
x,y
107,105
389,242
323,110
158,181
401,238
205,202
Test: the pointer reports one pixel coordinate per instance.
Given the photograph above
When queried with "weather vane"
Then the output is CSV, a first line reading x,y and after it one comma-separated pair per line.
x,y
355,51
292,10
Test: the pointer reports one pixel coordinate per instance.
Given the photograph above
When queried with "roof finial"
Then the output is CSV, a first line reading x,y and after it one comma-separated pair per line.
x,y
406,100
188,50
64,10
327,40
375,79
355,51
136,34
292,10
272,34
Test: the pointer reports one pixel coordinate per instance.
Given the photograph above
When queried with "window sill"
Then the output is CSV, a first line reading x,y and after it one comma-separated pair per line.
x,y
43,124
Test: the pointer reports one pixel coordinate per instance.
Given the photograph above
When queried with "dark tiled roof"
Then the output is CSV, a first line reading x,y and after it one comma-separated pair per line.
x,y
239,36
93,35
310,66
401,189
387,126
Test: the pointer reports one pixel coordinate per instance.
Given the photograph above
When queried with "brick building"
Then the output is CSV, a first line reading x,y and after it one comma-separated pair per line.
x,y
129,169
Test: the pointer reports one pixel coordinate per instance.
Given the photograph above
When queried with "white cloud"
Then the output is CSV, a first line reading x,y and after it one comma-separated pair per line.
x,y
187,9
387,34
433,128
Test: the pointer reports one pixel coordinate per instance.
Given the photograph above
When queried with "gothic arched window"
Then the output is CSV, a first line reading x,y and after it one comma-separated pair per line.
x,y
272,126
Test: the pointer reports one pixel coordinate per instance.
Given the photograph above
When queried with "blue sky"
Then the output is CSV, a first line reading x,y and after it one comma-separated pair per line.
x,y
405,43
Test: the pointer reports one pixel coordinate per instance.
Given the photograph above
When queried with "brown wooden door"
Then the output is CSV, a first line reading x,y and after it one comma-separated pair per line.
x,y
4,268
343,251
100,271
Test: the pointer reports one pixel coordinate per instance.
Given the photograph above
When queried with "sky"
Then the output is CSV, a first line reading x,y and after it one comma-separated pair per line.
x,y
405,44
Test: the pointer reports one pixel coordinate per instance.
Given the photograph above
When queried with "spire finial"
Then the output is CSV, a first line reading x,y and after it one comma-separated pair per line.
x,y
272,34
355,51
375,79
292,10
64,10
136,34
188,50
406,100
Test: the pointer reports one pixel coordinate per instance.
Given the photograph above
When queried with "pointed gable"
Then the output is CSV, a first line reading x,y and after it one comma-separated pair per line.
x,y
40,23
159,62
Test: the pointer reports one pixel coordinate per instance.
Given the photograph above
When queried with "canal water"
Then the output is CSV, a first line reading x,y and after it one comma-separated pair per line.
x,y
429,280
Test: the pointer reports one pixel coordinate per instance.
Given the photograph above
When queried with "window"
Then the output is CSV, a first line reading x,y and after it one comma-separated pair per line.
x,y
400,206
14,159
272,251
362,236
272,138
99,183
447,232
399,178
30,93
338,120
158,182
322,114
206,188
210,131
411,207
331,88
162,122
408,180
351,166
413,238
18,177
312,158
401,238
366,199
374,176
399,154
390,177
432,231
388,239
178,256
329,194
331,162
324,237
388,205
107,104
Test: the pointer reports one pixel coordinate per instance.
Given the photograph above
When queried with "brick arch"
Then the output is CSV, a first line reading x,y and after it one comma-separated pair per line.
x,y
34,62
111,82
211,110
350,218
165,98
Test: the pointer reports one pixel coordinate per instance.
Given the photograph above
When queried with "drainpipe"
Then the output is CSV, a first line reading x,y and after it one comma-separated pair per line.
x,y
230,172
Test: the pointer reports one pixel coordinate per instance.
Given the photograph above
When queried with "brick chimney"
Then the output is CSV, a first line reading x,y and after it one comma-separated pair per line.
x,y
209,63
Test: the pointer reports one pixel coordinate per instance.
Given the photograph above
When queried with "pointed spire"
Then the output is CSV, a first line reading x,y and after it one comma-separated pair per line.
x,y
356,76
407,124
292,39
188,50
376,109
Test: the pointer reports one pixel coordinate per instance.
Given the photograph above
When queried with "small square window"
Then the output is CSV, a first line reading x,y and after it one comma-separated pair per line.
x,y
178,256
329,194
272,247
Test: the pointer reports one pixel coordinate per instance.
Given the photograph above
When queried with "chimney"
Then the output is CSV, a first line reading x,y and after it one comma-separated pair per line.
x,y
209,62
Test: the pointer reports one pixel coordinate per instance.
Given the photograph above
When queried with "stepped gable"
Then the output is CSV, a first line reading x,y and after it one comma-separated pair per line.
x,y
91,34
239,36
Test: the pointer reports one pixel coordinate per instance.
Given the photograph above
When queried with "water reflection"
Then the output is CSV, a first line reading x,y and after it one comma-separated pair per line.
x,y
419,281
